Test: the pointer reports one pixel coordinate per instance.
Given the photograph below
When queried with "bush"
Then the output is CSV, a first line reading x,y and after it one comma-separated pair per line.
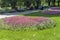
x,y
4,10
19,22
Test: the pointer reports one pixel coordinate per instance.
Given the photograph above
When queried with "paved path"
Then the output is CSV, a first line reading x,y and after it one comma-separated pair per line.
x,y
16,14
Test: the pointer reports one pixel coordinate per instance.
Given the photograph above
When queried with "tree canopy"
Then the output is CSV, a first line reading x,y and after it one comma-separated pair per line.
x,y
28,3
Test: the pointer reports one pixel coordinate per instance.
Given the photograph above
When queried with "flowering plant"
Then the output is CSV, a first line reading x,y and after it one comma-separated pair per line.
x,y
28,22
53,10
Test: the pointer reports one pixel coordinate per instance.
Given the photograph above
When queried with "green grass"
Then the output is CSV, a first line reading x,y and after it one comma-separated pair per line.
x,y
46,34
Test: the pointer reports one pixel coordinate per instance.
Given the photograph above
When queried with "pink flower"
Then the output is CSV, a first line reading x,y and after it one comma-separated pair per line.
x,y
25,21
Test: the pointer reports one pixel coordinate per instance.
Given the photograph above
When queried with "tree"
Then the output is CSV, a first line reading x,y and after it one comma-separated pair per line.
x,y
48,1
27,3
38,3
53,2
58,2
4,3
13,4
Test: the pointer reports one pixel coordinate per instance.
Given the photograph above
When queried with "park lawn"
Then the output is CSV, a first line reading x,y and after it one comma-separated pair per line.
x,y
46,34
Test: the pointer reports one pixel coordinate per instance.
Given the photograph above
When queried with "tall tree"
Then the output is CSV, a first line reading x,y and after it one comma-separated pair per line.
x,y
38,3
13,4
4,3
27,3
48,1
53,2
58,2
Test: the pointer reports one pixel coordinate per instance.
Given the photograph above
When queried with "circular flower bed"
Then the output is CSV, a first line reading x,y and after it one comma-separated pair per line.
x,y
53,10
19,22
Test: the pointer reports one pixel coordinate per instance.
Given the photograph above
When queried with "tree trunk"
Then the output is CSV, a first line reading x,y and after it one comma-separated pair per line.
x,y
48,1
53,2
13,5
38,3
58,2
27,4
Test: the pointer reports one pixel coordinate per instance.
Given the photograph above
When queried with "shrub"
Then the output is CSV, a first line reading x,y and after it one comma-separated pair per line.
x,y
19,22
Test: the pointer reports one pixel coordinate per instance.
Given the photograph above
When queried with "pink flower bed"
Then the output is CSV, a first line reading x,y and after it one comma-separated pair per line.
x,y
25,21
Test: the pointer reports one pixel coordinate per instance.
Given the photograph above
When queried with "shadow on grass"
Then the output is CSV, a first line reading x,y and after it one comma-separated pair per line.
x,y
42,14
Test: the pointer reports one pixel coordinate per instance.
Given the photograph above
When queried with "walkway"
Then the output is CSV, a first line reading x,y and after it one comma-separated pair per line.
x,y
16,13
